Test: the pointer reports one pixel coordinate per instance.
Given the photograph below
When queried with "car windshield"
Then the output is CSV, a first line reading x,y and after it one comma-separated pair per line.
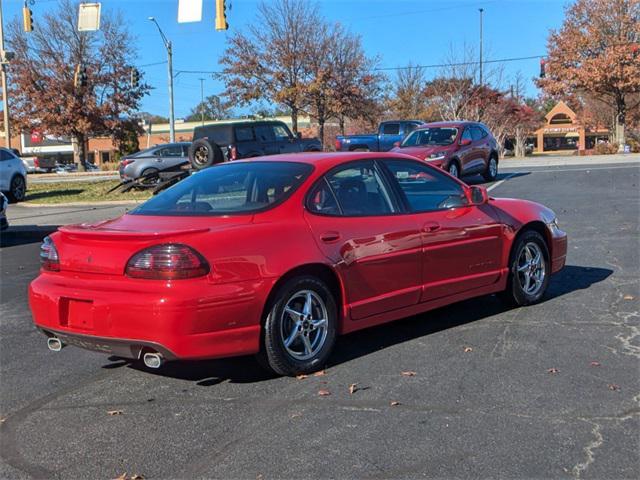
x,y
431,136
228,189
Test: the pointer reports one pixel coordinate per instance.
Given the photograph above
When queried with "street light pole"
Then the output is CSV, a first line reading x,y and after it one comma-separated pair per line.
x,y
481,10
202,101
5,95
168,46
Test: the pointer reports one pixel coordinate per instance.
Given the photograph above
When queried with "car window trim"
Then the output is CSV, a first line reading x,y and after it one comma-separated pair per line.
x,y
411,211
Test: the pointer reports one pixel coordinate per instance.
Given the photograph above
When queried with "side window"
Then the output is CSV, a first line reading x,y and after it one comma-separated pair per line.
x,y
391,129
425,188
466,135
174,151
185,150
322,200
409,127
244,134
359,190
4,155
264,133
476,133
281,133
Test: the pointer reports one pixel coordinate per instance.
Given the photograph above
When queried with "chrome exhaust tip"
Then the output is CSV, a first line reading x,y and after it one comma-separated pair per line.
x,y
54,344
153,360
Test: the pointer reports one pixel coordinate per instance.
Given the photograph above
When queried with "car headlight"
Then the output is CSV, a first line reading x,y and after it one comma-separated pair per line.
x,y
436,156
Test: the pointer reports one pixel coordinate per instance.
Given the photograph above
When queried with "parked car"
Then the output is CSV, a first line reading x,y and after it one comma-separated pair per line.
x,y
222,142
152,160
388,134
460,148
13,175
275,256
4,224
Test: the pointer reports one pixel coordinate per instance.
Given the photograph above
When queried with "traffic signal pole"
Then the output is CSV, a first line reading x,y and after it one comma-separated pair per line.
x,y
5,95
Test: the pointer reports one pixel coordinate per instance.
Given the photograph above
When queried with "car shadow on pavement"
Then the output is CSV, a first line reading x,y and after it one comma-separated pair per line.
x,y
25,234
208,373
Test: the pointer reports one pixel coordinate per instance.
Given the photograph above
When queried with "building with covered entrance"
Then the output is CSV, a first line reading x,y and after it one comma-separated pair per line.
x,y
563,130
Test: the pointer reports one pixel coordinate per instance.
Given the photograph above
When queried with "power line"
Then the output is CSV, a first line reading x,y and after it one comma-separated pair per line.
x,y
460,64
152,64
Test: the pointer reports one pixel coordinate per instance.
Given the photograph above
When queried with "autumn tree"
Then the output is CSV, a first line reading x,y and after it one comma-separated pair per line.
x,y
408,98
44,94
269,61
213,108
596,52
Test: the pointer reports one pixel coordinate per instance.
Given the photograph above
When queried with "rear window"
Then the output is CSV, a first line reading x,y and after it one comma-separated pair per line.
x,y
218,134
229,188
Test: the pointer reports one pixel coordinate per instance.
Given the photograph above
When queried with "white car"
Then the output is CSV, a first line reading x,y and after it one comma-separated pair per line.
x,y
13,175
4,224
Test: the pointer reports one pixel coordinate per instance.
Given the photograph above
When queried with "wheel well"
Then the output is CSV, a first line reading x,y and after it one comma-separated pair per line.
x,y
319,270
361,147
541,228
495,155
454,160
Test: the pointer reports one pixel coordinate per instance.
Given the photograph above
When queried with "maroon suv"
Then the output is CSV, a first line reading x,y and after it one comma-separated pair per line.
x,y
460,148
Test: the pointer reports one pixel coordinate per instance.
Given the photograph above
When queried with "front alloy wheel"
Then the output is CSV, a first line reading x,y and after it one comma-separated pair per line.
x,y
300,328
492,170
17,189
528,269
453,170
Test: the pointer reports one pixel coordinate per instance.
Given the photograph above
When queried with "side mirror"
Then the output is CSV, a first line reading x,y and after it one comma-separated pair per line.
x,y
478,195
465,141
396,144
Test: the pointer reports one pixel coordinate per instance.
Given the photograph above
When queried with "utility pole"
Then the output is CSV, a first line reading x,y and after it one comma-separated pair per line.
x,y
481,10
5,95
201,100
168,46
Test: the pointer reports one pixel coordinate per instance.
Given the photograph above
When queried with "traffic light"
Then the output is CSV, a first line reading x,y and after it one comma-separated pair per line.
x,y
542,68
80,77
135,77
27,19
221,16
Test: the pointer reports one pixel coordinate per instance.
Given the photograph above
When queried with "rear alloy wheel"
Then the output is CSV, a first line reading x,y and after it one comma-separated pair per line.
x,y
300,328
453,170
150,177
491,173
528,270
17,189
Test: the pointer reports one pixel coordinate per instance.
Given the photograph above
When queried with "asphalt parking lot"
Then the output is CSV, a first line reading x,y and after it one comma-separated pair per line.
x,y
547,391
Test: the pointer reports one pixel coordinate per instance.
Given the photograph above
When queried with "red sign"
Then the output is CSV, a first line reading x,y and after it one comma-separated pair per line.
x,y
36,137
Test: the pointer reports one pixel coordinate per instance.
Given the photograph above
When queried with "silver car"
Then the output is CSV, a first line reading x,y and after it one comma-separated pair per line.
x,y
153,160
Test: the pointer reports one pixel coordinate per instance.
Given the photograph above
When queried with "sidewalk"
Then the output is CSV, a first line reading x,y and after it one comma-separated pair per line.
x,y
564,160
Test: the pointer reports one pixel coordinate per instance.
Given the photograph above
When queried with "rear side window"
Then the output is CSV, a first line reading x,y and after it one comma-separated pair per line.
x,y
264,133
477,133
244,134
4,155
424,188
173,151
466,135
218,134
391,129
322,200
229,188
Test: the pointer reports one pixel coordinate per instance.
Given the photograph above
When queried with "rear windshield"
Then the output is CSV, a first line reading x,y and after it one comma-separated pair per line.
x,y
431,136
228,189
218,134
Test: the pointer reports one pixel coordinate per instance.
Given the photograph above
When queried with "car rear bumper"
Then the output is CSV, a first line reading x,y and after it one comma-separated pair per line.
x,y
189,319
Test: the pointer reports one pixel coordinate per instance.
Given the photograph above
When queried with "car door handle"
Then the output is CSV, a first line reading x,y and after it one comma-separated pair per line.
x,y
329,237
431,227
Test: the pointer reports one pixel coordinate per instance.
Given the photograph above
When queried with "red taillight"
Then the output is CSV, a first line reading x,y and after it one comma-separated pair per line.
x,y
36,162
233,152
338,144
49,256
126,161
170,261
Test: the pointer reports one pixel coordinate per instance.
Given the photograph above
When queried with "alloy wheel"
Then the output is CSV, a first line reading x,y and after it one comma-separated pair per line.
x,y
531,268
453,170
493,167
304,325
201,155
17,188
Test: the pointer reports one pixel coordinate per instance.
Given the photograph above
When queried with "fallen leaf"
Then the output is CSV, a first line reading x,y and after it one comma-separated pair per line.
x,y
301,377
628,297
353,388
595,364
122,477
320,373
468,349
409,374
114,412
295,415
613,387
136,477
324,393
553,370
2,419
395,403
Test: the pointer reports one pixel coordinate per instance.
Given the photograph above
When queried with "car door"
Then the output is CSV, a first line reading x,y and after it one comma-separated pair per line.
x,y
5,170
389,135
266,139
285,140
461,242
466,152
169,156
358,226
480,153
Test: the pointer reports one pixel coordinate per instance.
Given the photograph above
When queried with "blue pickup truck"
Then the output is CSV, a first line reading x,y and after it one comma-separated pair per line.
x,y
389,132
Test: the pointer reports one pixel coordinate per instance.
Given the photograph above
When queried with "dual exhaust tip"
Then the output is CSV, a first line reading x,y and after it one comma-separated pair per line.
x,y
150,359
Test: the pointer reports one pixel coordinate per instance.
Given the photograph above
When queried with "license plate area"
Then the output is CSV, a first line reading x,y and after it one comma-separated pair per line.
x,y
76,313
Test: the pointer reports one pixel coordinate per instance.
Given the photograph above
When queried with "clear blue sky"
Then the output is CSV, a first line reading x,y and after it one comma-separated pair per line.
x,y
399,31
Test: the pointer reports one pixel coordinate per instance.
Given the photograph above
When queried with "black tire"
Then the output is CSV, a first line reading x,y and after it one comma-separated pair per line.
x,y
152,176
454,169
491,173
274,355
515,293
204,154
17,189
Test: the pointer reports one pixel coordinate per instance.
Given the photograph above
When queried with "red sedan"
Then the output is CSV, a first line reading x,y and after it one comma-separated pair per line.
x,y
276,256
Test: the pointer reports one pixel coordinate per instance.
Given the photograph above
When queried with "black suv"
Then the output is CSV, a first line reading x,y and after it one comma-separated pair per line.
x,y
222,142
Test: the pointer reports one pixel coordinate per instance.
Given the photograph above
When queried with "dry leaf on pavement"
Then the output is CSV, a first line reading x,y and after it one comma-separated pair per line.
x,y
628,297
409,374
395,403
136,477
320,373
595,364
553,370
468,349
353,388
122,477
613,386
114,412
324,393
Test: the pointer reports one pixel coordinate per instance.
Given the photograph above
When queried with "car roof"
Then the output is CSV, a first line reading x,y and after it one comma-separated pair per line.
x,y
450,123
